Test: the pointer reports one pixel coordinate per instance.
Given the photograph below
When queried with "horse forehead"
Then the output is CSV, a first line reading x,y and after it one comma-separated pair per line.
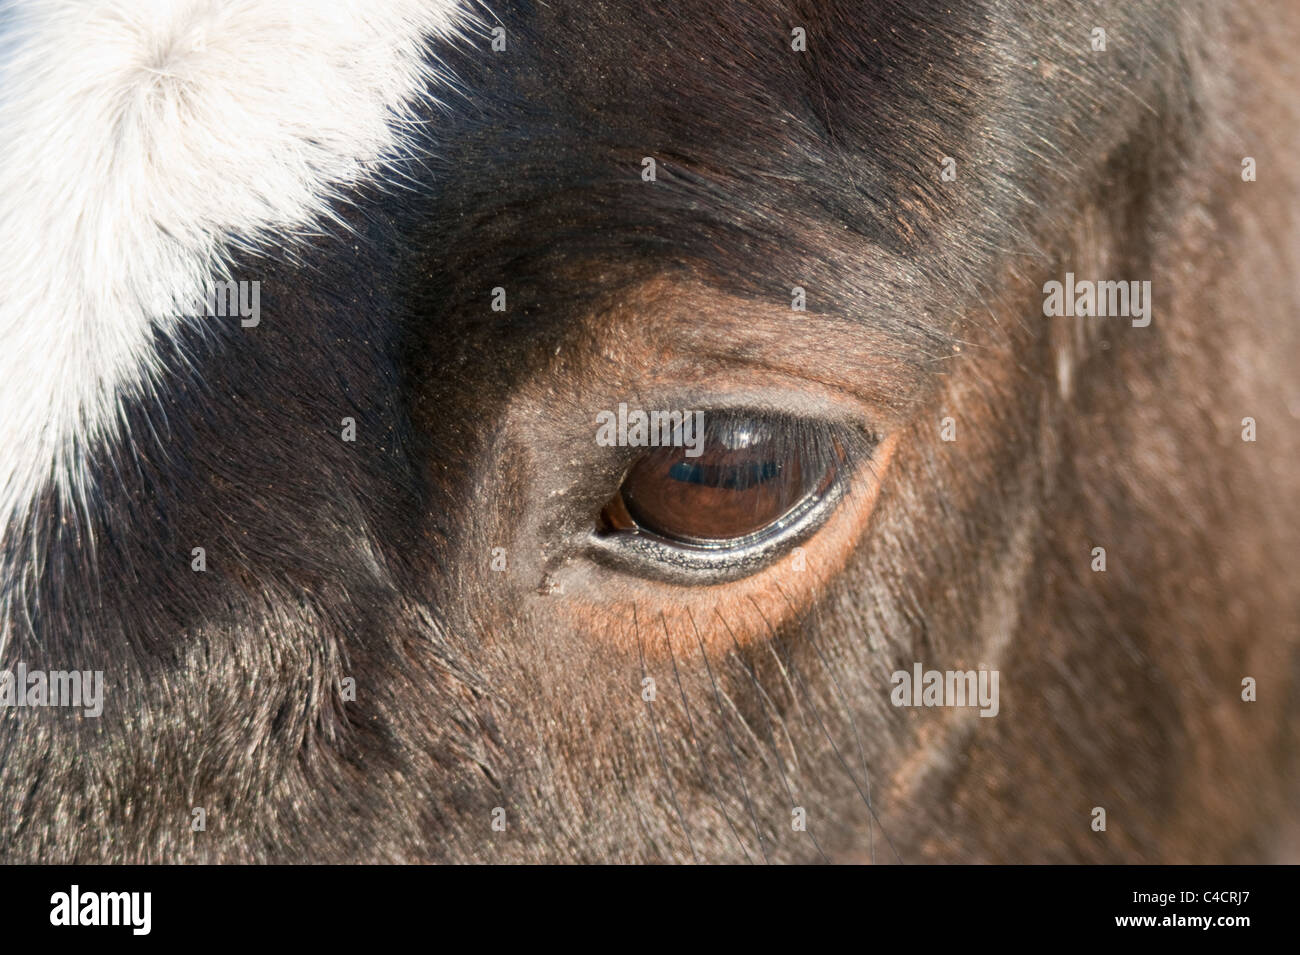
x,y
137,151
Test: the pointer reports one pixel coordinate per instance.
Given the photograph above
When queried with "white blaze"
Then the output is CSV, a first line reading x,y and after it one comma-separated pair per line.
x,y
135,137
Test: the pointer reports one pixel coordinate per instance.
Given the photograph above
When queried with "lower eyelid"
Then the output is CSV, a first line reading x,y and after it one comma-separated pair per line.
x,y
724,561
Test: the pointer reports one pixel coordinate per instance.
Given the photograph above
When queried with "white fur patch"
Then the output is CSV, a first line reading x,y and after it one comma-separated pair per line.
x,y
136,138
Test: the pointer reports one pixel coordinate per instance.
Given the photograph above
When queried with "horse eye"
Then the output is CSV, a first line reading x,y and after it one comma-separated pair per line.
x,y
746,480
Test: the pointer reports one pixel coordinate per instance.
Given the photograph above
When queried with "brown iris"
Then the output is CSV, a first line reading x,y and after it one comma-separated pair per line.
x,y
746,477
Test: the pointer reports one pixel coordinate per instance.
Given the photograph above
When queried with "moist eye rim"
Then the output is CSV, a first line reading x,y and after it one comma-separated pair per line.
x,y
645,554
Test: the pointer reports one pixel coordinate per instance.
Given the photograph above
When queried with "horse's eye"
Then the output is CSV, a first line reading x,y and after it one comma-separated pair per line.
x,y
739,481
730,500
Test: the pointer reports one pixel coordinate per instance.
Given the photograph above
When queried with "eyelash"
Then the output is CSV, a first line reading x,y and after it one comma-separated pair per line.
x,y
835,447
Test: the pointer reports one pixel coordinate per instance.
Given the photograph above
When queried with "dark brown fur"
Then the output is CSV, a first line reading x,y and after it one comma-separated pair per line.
x,y
522,690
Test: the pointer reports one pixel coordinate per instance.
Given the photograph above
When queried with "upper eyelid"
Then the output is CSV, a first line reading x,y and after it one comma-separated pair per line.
x,y
858,437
